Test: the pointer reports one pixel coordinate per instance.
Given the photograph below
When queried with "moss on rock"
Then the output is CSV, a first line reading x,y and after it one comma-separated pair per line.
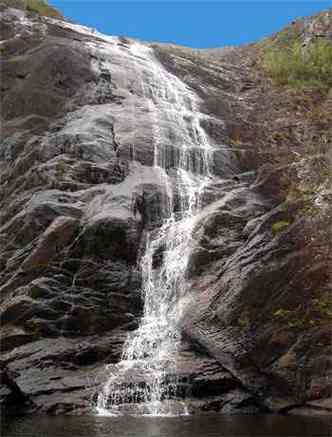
x,y
280,226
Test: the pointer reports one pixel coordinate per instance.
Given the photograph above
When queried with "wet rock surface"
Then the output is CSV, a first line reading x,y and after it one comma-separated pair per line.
x,y
78,192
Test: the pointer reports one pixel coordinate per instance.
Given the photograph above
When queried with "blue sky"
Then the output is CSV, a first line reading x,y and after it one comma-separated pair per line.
x,y
194,23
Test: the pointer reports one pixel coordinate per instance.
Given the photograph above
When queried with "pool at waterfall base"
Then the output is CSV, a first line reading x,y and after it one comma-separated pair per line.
x,y
209,425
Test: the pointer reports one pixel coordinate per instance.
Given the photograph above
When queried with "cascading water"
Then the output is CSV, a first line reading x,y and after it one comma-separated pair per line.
x,y
145,381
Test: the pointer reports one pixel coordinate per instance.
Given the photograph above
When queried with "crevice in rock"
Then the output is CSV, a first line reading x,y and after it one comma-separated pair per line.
x,y
15,402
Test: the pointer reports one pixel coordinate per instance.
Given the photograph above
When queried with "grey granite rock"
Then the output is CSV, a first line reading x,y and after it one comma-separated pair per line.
x,y
78,192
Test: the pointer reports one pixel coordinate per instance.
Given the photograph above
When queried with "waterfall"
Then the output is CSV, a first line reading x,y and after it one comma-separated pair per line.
x,y
145,380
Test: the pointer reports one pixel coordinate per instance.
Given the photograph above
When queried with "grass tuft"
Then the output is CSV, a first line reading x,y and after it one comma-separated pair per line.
x,y
43,8
280,226
301,67
40,7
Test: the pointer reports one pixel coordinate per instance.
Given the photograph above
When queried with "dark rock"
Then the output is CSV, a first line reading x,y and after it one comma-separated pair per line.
x,y
79,193
59,375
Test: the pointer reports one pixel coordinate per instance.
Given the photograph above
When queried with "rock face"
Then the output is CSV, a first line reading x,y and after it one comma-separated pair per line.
x,y
78,193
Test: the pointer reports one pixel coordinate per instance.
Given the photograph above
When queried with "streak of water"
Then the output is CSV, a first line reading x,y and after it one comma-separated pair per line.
x,y
145,381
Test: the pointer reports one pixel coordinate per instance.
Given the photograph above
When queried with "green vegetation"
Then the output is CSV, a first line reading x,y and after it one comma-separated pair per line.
x,y
40,265
281,312
40,7
316,180
244,319
36,293
279,226
323,306
287,36
61,168
300,67
317,312
18,4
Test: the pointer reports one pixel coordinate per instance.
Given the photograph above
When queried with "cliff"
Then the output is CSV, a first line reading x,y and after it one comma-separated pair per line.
x,y
79,192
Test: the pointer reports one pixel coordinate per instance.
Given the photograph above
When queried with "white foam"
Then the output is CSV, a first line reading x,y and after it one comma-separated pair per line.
x,y
147,375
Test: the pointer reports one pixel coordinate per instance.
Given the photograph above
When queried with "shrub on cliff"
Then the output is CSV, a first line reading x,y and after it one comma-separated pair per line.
x,y
38,6
42,8
301,67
